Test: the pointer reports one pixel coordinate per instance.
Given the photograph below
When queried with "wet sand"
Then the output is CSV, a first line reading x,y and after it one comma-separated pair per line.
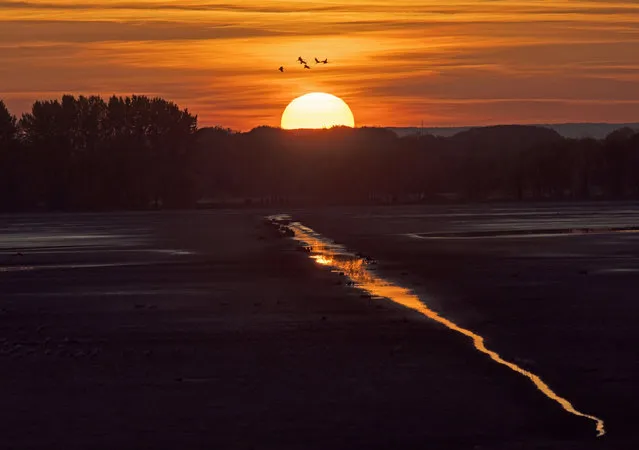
x,y
201,330
561,305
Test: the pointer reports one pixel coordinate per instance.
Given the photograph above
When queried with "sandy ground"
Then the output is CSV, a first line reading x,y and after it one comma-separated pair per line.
x,y
204,330
563,306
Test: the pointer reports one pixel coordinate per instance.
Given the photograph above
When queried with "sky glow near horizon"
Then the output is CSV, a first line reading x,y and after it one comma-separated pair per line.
x,y
395,63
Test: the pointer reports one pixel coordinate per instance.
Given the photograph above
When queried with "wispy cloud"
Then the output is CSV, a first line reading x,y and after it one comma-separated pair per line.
x,y
457,62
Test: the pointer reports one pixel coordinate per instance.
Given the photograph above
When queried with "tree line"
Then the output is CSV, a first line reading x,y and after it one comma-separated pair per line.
x,y
87,153
90,153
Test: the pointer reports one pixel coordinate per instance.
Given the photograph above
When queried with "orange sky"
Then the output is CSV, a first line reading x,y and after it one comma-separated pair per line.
x,y
395,63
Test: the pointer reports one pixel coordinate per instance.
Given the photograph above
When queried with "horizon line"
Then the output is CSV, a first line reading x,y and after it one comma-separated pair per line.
x,y
417,127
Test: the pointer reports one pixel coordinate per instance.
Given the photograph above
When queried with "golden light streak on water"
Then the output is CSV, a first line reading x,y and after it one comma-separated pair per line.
x,y
323,260
331,255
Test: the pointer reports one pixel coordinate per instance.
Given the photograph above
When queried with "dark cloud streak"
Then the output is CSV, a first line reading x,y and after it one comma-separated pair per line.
x,y
154,6
103,31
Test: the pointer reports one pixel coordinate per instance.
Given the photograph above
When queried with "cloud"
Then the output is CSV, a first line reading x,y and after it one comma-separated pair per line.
x,y
257,7
446,62
101,31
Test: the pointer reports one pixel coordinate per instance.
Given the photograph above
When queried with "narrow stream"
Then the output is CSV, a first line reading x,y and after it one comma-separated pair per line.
x,y
327,253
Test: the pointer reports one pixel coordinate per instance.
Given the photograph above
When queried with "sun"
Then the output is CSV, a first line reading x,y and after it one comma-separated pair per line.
x,y
317,110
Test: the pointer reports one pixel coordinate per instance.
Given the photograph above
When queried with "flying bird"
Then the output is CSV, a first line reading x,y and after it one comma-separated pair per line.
x,y
325,61
306,66
301,60
317,61
281,69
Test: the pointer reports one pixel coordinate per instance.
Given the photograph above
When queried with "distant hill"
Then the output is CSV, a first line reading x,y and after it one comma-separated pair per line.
x,y
504,137
568,130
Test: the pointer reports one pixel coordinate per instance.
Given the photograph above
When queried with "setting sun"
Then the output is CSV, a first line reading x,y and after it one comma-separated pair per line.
x,y
317,110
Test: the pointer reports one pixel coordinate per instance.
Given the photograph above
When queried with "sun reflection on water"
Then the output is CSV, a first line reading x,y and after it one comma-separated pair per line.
x,y
326,253
323,260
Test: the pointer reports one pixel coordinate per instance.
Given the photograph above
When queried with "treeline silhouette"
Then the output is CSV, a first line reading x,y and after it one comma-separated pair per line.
x,y
88,153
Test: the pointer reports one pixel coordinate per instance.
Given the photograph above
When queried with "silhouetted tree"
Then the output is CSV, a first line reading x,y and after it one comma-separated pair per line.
x,y
8,125
128,153
11,187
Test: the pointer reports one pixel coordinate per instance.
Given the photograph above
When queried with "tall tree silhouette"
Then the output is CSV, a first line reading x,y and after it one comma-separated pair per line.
x,y
153,139
8,125
126,153
11,186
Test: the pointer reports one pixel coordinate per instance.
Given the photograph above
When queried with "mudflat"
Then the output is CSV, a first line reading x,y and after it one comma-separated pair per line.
x,y
207,330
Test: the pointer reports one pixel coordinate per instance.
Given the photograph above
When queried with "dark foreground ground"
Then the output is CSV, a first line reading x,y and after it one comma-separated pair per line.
x,y
204,330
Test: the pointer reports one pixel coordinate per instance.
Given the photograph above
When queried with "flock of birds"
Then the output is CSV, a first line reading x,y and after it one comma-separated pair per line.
x,y
304,64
